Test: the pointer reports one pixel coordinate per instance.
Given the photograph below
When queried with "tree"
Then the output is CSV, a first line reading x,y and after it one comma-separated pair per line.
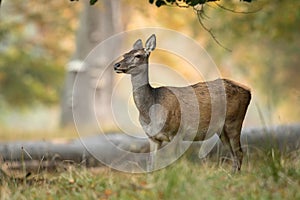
x,y
197,5
96,24
179,3
41,66
266,50
31,63
29,155
183,3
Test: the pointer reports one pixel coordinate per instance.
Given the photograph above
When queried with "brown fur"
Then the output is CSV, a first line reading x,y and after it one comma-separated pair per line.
x,y
171,99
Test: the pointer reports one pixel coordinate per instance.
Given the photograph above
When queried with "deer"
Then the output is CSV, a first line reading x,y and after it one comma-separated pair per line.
x,y
159,108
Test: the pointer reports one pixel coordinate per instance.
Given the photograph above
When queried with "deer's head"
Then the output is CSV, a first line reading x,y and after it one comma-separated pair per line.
x,y
136,61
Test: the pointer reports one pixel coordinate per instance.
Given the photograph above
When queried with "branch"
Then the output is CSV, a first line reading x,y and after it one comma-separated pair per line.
x,y
241,12
179,3
200,14
183,3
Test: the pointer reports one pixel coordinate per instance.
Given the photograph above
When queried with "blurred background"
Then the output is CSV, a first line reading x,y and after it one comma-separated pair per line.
x,y
43,42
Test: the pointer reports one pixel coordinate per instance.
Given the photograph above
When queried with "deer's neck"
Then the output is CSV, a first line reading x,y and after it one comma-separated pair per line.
x,y
143,93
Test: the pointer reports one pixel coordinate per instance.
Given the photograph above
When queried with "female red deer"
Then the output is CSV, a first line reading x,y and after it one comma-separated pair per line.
x,y
160,109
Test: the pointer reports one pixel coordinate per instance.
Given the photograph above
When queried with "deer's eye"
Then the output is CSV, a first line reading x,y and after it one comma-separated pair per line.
x,y
138,56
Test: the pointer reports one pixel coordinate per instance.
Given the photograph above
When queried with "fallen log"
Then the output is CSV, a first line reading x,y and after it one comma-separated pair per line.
x,y
285,139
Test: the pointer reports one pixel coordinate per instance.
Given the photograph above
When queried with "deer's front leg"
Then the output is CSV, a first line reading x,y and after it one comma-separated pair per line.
x,y
152,161
156,118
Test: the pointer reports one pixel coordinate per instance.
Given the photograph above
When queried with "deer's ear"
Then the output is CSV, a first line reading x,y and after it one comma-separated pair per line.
x,y
151,43
138,44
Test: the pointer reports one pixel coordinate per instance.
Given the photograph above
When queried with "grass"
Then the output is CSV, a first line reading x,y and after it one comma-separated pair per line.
x,y
267,176
67,133
13,134
264,176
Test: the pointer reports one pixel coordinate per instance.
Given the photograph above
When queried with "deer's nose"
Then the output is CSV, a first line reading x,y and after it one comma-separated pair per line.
x,y
116,65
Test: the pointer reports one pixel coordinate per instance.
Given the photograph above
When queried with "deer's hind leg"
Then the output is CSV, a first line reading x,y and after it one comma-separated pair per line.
x,y
231,138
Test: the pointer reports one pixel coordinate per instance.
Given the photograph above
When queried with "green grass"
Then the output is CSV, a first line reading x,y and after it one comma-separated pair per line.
x,y
268,176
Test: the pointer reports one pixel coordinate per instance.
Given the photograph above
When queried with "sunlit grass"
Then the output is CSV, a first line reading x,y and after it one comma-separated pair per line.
x,y
70,132
268,176
264,175
17,134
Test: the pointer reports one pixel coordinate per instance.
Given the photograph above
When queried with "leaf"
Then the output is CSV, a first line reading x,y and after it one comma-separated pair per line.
x,y
108,192
159,3
92,2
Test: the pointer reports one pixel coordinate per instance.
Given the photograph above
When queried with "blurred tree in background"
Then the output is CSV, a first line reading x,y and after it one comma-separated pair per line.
x,y
263,38
179,3
34,45
265,48
97,23
37,39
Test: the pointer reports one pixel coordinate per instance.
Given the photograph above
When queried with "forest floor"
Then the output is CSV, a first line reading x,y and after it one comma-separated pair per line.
x,y
263,176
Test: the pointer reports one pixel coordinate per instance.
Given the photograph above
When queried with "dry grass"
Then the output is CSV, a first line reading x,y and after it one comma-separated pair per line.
x,y
13,134
268,176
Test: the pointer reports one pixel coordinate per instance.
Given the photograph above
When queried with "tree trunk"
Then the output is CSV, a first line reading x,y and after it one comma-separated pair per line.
x,y
284,139
97,23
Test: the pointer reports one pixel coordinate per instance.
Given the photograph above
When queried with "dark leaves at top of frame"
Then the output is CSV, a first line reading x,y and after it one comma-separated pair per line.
x,y
159,3
92,2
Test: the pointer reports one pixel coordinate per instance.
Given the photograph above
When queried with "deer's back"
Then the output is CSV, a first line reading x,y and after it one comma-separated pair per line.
x,y
200,97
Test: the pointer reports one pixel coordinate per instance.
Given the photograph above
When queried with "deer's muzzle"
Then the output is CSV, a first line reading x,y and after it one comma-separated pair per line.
x,y
117,68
